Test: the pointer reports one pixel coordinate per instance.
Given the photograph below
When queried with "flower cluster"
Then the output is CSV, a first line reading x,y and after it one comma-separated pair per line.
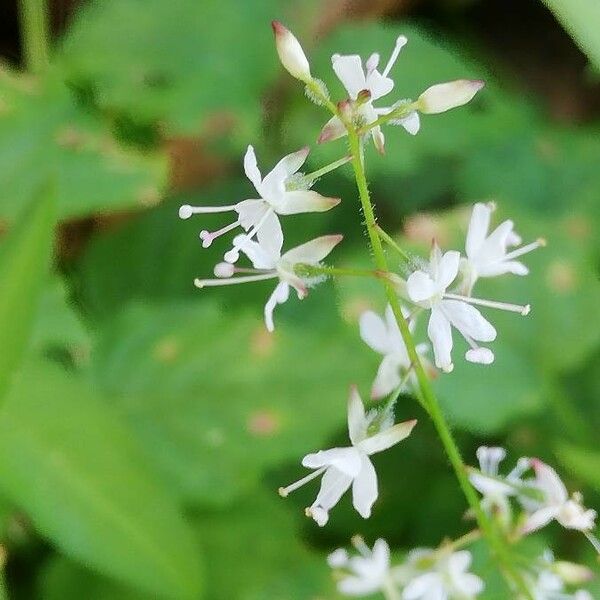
x,y
440,288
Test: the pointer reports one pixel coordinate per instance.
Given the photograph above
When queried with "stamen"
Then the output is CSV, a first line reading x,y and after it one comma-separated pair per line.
x,y
593,540
359,543
284,491
541,242
224,270
523,310
209,237
233,255
186,211
400,43
202,283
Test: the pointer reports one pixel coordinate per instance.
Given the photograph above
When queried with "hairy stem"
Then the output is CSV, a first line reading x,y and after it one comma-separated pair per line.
x,y
34,34
496,542
306,270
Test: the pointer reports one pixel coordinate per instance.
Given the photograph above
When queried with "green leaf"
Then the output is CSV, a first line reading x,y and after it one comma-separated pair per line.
x,y
216,399
195,66
67,460
24,259
46,133
581,18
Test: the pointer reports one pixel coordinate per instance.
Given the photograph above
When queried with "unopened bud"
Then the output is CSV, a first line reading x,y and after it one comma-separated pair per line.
x,y
290,52
444,96
572,573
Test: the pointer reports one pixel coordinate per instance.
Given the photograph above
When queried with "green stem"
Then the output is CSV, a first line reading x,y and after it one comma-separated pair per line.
x,y
306,270
310,177
398,113
316,89
496,543
392,244
34,22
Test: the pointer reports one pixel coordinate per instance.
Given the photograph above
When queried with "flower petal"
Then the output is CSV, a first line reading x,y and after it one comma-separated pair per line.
x,y
388,377
468,320
549,482
286,167
333,486
364,488
314,251
347,460
279,296
350,72
440,334
378,139
270,235
374,332
357,586
480,356
304,201
420,286
478,228
539,518
378,85
332,130
357,425
429,586
388,437
251,169
447,269
251,212
260,257
411,122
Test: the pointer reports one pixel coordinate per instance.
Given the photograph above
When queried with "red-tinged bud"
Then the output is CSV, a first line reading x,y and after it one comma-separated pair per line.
x,y
290,52
445,96
363,97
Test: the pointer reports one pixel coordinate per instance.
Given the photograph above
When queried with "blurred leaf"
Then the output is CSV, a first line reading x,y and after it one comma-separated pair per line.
x,y
62,579
581,18
58,324
216,399
94,496
195,66
24,258
583,463
254,553
45,133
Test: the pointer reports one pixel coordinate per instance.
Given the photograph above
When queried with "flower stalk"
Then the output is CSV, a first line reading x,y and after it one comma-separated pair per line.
x,y
34,24
488,530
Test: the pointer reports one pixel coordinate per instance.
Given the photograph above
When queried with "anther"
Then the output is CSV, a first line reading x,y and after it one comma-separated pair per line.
x,y
185,211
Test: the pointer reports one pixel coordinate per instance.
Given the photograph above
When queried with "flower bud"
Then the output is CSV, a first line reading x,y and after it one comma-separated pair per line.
x,y
290,52
444,96
572,573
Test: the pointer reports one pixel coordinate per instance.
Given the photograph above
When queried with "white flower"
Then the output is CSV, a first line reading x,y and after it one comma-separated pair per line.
x,y
427,288
367,573
569,512
487,254
439,575
290,52
383,336
445,96
350,466
496,489
349,69
259,217
269,263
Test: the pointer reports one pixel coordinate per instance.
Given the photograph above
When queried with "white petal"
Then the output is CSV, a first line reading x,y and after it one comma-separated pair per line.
x,y
332,130
251,169
259,255
489,486
428,586
357,425
478,228
304,201
381,554
374,332
447,269
481,356
549,482
411,122
314,251
388,377
469,585
378,139
458,562
338,558
279,296
440,334
358,586
350,72
364,488
319,514
270,236
379,85
420,286
333,486
445,96
388,437
539,518
468,320
346,460
251,212
286,167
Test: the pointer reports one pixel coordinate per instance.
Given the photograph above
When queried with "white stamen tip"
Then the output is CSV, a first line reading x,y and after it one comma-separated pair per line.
x,y
401,41
231,256
199,283
224,270
185,211
491,205
541,242
308,512
283,492
526,310
206,237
